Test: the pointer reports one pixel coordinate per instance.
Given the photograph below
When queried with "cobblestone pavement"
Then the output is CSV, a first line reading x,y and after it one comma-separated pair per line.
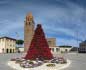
x,y
4,58
78,61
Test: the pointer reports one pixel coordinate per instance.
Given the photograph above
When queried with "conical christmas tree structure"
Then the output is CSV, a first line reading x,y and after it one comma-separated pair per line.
x,y
39,47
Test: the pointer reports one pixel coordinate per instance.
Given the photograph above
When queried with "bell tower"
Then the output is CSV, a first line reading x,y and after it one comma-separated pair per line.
x,y
28,31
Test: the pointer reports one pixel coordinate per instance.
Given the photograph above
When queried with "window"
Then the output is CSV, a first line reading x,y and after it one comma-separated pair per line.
x,y
13,45
10,45
30,19
2,40
66,50
53,49
57,49
3,50
49,42
29,23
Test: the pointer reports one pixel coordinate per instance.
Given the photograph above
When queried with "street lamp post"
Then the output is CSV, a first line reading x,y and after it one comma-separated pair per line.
x,y
77,42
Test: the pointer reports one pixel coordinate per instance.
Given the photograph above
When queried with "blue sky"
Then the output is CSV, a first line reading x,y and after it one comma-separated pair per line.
x,y
63,19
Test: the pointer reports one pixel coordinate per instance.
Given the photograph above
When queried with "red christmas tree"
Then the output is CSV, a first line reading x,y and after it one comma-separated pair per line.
x,y
39,47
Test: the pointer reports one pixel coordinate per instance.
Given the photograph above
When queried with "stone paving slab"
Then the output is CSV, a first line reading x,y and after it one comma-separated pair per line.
x,y
78,61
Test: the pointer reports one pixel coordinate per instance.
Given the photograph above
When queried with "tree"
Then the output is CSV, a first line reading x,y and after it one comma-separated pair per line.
x,y
39,47
65,46
19,42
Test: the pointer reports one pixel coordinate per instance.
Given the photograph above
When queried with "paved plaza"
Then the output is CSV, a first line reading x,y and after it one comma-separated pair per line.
x,y
78,61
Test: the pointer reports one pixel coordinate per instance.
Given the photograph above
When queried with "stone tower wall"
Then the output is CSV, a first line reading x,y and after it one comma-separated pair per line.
x,y
28,31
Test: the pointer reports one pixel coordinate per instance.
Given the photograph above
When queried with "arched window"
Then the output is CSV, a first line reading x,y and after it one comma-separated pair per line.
x,y
52,49
57,49
3,50
7,50
10,50
13,51
66,50
30,19
29,23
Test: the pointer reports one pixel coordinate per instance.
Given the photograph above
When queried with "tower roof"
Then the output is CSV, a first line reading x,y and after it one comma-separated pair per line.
x,y
29,16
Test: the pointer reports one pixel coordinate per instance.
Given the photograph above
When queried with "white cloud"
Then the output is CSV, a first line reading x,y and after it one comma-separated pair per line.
x,y
54,18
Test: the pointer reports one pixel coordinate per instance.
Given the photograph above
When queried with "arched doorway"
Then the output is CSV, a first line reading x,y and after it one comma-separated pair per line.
x,y
13,50
3,50
10,50
57,49
66,50
7,50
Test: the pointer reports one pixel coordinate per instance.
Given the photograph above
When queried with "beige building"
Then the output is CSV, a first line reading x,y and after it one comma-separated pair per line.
x,y
7,45
52,45
51,42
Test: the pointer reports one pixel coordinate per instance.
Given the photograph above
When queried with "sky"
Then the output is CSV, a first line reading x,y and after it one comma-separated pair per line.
x,y
64,20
